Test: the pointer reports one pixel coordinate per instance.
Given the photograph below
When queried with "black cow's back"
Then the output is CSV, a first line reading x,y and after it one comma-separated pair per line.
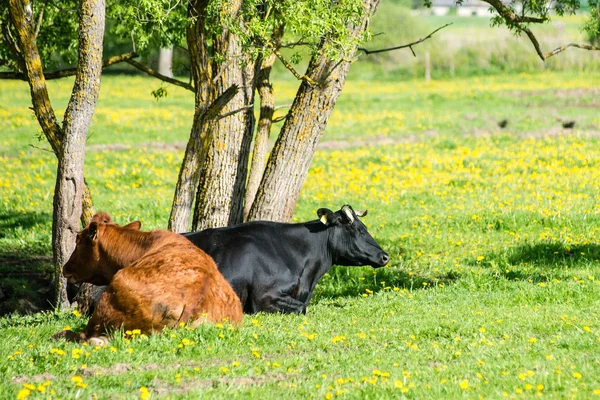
x,y
260,257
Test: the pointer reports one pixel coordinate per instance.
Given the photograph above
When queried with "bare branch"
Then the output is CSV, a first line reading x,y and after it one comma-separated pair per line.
x,y
162,77
40,18
63,73
409,45
230,113
283,106
563,48
289,66
279,119
13,46
300,42
40,148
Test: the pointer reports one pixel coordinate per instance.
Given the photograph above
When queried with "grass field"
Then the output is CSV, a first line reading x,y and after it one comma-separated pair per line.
x,y
493,288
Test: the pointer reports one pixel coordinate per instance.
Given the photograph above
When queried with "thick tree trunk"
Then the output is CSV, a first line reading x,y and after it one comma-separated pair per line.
x,y
189,174
224,162
69,189
222,187
295,147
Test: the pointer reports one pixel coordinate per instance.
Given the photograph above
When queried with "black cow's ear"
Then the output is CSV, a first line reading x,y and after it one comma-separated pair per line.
x,y
135,225
93,231
326,216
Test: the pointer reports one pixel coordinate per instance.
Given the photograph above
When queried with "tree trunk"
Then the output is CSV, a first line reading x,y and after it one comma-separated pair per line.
x,y
69,189
265,122
21,18
295,147
222,187
189,173
224,162
30,58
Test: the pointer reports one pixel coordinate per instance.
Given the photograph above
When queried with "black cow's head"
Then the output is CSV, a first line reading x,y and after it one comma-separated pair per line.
x,y
350,243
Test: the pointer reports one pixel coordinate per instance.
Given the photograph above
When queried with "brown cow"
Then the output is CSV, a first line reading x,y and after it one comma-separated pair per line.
x,y
156,279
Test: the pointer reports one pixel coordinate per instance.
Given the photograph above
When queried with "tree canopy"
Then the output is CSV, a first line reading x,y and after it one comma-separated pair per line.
x,y
150,24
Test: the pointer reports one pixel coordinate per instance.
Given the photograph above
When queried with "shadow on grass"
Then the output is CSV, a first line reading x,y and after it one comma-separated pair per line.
x,y
541,262
11,221
350,282
25,281
25,271
554,254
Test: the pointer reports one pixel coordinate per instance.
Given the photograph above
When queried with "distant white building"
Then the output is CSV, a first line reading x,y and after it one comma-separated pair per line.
x,y
442,7
469,8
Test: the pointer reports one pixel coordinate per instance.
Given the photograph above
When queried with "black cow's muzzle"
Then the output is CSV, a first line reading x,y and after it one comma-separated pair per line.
x,y
384,259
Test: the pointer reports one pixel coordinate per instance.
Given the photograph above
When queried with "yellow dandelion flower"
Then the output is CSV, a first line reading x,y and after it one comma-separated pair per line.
x,y
23,394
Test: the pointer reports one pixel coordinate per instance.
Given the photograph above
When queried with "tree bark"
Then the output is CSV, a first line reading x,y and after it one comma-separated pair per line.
x,y
70,187
295,147
222,186
265,122
216,158
189,173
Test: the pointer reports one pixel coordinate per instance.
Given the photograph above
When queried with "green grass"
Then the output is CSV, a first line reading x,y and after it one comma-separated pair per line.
x,y
494,235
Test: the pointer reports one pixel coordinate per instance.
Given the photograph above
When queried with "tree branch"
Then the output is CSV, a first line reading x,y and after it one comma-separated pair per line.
x,y
279,119
300,42
220,102
563,48
162,77
513,20
554,52
40,18
230,113
535,42
289,66
510,16
63,73
409,45
13,46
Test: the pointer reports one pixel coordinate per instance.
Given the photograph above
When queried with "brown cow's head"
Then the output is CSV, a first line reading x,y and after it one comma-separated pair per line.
x,y
89,262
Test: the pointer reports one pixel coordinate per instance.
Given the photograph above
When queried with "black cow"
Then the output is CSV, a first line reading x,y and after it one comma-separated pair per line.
x,y
274,267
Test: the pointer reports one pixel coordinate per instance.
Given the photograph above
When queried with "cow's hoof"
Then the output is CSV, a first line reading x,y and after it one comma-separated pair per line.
x,y
98,341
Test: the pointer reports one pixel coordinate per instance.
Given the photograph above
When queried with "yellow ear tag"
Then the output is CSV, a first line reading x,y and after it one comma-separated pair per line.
x,y
324,219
